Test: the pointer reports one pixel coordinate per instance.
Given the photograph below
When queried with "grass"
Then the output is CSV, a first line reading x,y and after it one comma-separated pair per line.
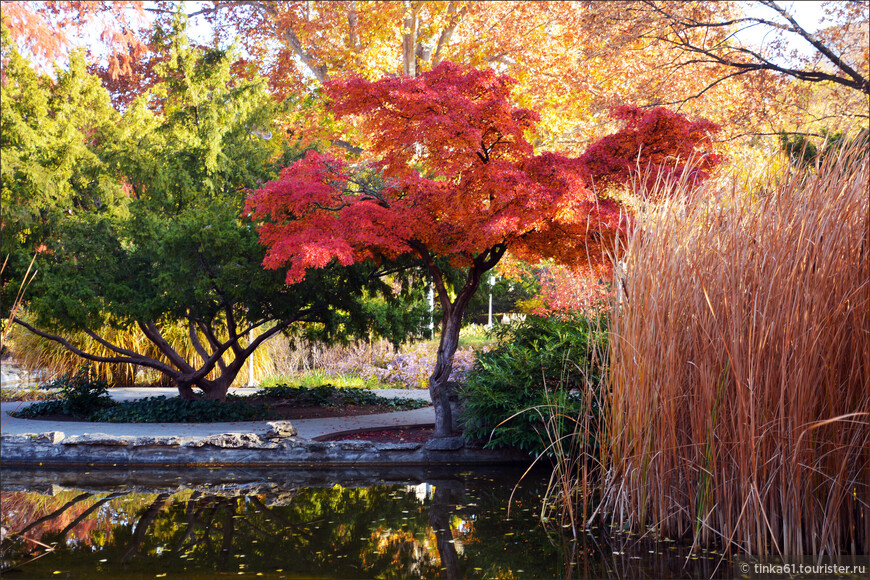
x,y
315,378
740,368
471,336
52,359
32,393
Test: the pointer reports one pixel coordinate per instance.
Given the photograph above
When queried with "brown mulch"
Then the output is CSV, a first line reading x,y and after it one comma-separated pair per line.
x,y
391,435
287,411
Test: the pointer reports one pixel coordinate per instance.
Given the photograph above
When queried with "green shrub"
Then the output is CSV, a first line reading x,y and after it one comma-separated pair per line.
x,y
79,396
177,410
546,363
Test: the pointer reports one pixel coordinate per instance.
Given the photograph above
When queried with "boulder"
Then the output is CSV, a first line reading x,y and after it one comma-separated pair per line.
x,y
280,430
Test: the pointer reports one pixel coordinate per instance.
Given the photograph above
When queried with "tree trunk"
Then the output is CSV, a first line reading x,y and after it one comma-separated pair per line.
x,y
213,389
450,325
444,496
451,322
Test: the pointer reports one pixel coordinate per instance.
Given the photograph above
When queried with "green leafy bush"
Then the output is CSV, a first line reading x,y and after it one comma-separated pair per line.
x,y
79,396
176,410
546,363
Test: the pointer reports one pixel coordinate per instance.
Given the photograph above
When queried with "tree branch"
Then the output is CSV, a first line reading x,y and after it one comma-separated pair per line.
x,y
447,32
824,50
319,71
437,277
194,338
136,360
679,26
153,333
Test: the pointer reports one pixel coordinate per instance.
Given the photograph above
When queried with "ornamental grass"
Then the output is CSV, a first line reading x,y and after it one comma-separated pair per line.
x,y
740,367
48,359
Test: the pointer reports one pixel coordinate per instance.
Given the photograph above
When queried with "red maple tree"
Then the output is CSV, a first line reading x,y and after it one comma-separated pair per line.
x,y
656,144
452,176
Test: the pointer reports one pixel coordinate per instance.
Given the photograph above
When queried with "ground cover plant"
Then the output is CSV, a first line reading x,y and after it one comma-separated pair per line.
x,y
83,398
738,394
78,395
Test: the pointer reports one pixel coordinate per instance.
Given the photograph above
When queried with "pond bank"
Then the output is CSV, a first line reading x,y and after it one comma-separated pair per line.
x,y
34,442
55,448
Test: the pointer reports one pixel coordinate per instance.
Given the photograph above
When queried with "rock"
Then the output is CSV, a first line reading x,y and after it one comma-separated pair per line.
x,y
230,441
280,430
50,437
159,441
444,444
98,439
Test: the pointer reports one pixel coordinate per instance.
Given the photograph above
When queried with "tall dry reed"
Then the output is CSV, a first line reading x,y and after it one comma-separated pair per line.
x,y
49,359
740,368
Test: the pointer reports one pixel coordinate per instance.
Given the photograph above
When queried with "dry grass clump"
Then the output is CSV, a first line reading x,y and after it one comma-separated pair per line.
x,y
50,359
740,368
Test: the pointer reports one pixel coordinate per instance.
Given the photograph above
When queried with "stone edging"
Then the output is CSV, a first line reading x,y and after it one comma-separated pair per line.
x,y
54,448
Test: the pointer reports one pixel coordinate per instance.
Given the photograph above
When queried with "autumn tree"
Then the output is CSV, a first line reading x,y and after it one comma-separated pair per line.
x,y
755,43
170,247
49,30
572,61
455,180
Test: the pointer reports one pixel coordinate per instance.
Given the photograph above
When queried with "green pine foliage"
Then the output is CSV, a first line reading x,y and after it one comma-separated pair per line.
x,y
52,161
541,366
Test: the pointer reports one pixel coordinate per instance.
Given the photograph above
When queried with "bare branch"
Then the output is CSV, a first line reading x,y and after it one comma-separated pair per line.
x,y
437,277
194,338
724,54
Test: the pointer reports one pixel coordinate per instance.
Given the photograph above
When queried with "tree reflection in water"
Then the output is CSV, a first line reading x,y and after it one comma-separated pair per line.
x,y
444,528
398,531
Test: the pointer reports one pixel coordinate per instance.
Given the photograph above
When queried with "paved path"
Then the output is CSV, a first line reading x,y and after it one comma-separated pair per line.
x,y
308,428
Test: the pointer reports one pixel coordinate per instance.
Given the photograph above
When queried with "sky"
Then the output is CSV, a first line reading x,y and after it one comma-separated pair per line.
x,y
808,14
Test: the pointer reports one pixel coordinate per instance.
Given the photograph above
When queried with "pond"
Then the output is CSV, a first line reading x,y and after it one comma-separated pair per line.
x,y
238,523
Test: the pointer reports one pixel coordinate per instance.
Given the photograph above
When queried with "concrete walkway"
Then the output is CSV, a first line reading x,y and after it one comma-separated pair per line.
x,y
307,428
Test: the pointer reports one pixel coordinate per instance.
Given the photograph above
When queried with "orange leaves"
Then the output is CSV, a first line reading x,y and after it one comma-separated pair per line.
x,y
48,30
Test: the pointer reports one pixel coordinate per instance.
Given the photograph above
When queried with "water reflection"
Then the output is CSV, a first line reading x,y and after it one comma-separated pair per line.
x,y
256,525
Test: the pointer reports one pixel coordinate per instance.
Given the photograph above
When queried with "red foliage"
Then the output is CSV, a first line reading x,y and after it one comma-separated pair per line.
x,y
565,291
657,144
459,178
